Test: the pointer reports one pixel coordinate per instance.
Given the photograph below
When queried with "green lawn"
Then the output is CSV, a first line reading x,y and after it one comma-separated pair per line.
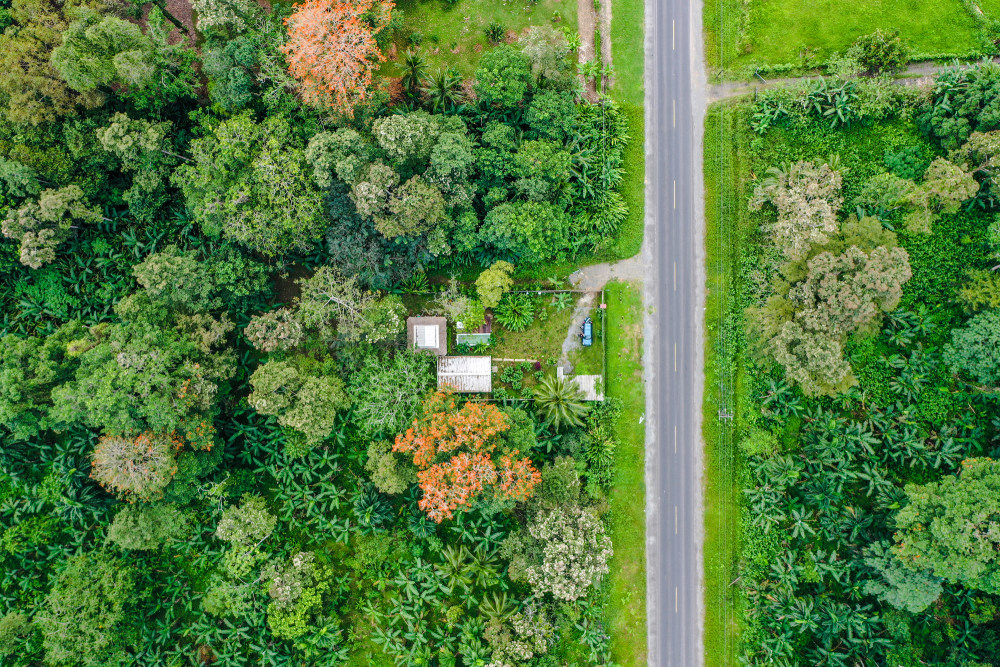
x,y
626,610
542,341
775,32
452,35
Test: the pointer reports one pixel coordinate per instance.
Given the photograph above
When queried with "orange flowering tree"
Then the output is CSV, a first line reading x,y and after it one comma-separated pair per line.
x,y
136,468
455,451
331,50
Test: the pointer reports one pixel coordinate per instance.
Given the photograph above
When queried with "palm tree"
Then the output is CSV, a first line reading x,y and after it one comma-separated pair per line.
x,y
414,67
443,90
560,402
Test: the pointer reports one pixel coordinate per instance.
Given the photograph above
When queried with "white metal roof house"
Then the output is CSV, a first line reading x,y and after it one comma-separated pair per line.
x,y
465,374
428,333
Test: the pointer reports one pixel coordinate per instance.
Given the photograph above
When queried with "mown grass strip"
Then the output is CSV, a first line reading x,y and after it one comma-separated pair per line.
x,y
723,605
626,609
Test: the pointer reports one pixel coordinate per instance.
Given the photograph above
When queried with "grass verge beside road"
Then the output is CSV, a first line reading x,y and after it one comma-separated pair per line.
x,y
628,53
626,607
723,604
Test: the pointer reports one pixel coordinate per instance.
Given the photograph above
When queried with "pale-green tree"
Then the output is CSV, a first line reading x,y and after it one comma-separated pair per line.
x,y
565,552
233,16
949,528
807,197
304,398
177,279
41,225
145,527
946,186
494,282
336,307
905,588
100,51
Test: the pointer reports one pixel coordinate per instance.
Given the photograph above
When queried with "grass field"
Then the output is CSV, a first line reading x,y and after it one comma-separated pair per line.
x,y
774,32
626,608
452,35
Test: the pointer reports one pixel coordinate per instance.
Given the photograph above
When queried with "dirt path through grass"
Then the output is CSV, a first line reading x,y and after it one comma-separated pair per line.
x,y
920,73
572,342
586,19
606,57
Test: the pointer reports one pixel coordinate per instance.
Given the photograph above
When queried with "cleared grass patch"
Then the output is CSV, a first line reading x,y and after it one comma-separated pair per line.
x,y
453,35
625,613
542,341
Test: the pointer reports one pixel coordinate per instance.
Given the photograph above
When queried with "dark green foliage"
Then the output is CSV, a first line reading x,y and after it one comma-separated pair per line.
x,y
503,77
909,163
822,479
516,311
964,101
882,53
975,349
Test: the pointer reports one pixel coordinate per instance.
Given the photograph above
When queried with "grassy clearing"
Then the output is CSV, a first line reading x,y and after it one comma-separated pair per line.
x,y
541,341
626,608
723,605
778,32
453,35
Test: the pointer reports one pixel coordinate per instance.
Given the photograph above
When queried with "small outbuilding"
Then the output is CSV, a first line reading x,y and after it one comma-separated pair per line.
x,y
428,333
589,385
465,375
479,336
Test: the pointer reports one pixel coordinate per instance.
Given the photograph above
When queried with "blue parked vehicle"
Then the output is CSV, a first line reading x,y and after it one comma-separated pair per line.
x,y
587,332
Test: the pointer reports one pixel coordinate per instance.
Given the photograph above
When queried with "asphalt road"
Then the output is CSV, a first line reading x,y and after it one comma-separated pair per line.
x,y
674,321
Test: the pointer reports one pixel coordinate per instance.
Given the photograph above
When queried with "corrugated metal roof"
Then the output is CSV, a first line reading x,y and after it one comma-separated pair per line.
x,y
465,374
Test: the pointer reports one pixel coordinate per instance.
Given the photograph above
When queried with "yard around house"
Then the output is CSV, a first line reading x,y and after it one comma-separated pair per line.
x,y
451,34
774,35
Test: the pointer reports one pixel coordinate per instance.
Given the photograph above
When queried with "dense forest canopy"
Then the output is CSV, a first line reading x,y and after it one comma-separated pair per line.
x,y
867,322
216,446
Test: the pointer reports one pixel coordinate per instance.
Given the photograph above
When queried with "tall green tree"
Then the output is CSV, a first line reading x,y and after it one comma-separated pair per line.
x,y
249,181
85,619
35,92
41,225
99,52
304,395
